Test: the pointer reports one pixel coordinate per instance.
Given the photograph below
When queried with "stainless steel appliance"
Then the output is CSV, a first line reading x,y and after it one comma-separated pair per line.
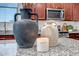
x,y
54,14
25,30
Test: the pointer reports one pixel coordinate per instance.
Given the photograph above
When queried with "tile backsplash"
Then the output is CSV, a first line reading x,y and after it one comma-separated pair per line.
x,y
9,25
73,23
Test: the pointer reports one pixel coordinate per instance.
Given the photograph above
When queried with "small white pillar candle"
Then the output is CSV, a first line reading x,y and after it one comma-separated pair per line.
x,y
42,44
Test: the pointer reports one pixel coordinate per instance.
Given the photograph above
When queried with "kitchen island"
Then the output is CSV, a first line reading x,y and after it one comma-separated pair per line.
x,y
65,47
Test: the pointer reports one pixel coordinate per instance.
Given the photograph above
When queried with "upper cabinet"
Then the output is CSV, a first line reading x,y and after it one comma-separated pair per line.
x,y
76,11
71,10
48,5
68,11
58,5
40,10
55,5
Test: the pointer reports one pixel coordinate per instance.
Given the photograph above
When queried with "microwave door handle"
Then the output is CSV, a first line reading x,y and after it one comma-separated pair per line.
x,y
61,14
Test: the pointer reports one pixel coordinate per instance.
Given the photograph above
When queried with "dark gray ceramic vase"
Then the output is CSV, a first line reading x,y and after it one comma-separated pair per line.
x,y
25,30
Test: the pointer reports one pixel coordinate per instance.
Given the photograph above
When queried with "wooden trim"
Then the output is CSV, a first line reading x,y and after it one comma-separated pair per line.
x,y
7,37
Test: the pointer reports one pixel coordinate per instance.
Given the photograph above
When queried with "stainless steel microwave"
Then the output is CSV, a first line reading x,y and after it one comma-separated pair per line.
x,y
54,14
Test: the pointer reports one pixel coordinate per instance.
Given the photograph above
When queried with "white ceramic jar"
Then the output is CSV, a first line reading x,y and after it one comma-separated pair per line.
x,y
50,30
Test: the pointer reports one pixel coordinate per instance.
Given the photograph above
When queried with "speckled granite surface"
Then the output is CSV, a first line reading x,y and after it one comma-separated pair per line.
x,y
66,47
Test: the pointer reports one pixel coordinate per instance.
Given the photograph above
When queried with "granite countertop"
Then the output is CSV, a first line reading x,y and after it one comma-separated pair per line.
x,y
65,47
75,31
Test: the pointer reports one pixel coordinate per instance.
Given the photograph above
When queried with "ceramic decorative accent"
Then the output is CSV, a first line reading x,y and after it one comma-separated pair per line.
x,y
50,30
25,30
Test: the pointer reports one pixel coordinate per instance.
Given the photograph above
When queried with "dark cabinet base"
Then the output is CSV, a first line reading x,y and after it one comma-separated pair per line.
x,y
6,37
74,36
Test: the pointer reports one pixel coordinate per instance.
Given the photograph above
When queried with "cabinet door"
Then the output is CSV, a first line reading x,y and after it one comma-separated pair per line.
x,y
51,5
76,11
68,7
40,10
48,5
57,5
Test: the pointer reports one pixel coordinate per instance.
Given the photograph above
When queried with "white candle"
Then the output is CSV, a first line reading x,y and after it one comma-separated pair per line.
x,y
42,44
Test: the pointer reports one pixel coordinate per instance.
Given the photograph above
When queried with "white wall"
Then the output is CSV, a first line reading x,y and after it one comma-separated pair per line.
x,y
74,23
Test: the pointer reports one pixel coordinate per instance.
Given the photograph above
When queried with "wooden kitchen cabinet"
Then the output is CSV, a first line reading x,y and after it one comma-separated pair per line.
x,y
40,10
71,10
76,11
58,5
55,5
74,35
68,7
48,5
51,5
